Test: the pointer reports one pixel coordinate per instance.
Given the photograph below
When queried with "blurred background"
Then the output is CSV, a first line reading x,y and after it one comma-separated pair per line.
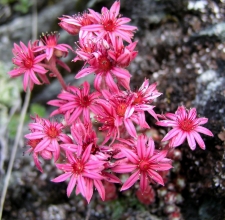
x,y
181,46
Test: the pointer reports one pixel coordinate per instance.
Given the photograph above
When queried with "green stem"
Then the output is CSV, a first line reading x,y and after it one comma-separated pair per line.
x,y
14,150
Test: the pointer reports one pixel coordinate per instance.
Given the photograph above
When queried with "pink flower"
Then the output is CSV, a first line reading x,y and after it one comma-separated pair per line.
x,y
185,125
105,68
110,24
50,133
85,50
28,64
75,102
143,98
49,43
46,154
107,116
116,113
84,172
73,24
123,55
144,162
83,136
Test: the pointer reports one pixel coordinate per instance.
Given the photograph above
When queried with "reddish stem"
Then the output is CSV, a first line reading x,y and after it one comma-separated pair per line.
x,y
59,76
52,67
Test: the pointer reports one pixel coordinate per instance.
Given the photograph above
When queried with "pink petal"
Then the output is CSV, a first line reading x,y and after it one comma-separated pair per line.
x,y
33,77
93,27
96,15
97,82
75,115
166,123
82,185
121,73
92,175
71,185
37,162
39,69
141,148
158,156
86,88
56,148
89,189
42,145
84,72
71,105
131,156
49,52
130,127
86,153
201,121
127,27
39,58
129,111
65,167
111,83
25,80
191,141
156,177
62,177
131,180
35,126
203,130
15,72
111,178
143,181
123,34
171,116
122,20
34,135
124,168
192,114
181,111
94,165
161,166
114,10
151,148
101,190
180,138
199,140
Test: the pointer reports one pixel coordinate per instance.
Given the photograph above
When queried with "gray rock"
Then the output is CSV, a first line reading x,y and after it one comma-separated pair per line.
x,y
217,30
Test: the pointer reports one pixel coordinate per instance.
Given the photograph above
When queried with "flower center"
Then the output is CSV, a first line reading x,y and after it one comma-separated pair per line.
x,y
51,41
144,165
109,25
186,125
84,20
34,143
137,100
84,102
104,63
78,167
121,109
28,63
52,132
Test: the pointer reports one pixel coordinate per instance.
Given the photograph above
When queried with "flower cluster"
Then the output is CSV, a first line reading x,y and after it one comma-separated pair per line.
x,y
98,137
39,58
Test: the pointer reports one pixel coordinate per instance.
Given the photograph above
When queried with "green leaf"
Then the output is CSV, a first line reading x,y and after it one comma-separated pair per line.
x,y
118,210
38,109
13,124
